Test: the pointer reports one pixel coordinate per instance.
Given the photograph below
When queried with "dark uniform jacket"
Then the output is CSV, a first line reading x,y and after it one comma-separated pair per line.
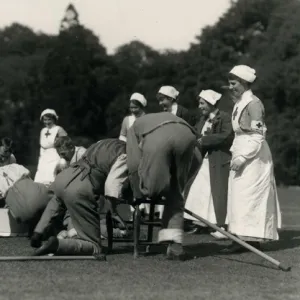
x,y
98,160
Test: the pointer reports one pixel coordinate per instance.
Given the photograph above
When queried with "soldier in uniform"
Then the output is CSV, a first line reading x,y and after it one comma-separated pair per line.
x,y
253,208
102,171
67,151
69,154
160,149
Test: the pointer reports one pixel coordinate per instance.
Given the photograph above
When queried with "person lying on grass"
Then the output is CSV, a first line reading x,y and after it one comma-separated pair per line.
x,y
24,198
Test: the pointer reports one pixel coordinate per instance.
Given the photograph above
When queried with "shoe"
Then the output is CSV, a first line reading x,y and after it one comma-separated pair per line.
x,y
72,233
188,225
175,251
48,247
218,235
62,235
117,234
196,229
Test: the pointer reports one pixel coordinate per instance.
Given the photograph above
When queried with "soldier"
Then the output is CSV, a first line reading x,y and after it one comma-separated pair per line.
x,y
160,148
69,153
253,208
102,171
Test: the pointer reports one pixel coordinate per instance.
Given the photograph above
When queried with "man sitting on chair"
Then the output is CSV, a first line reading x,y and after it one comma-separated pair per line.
x,y
160,149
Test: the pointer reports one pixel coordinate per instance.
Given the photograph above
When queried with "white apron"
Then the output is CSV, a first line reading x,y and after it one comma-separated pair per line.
x,y
253,207
48,156
200,199
131,120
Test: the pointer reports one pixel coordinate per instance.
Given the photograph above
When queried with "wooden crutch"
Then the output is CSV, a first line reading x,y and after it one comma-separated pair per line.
x,y
275,262
53,257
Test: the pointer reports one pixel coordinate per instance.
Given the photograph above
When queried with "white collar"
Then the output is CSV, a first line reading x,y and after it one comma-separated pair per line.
x,y
174,108
245,95
213,114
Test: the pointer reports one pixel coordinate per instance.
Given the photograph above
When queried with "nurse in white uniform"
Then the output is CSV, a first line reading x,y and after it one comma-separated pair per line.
x,y
49,157
253,212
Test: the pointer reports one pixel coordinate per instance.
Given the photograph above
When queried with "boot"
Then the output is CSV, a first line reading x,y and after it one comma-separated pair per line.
x,y
175,251
48,247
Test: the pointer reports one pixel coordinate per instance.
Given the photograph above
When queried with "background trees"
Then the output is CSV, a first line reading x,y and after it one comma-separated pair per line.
x,y
72,73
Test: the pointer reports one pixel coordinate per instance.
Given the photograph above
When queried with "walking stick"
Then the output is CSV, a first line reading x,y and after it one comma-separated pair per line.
x,y
275,262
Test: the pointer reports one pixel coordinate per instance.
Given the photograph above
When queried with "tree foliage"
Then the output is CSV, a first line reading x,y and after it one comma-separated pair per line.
x,y
72,73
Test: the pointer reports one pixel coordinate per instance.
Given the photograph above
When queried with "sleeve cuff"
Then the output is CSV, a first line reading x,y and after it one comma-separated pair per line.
x,y
241,158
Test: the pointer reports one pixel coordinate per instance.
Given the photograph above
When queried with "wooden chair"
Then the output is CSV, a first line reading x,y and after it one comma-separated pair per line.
x,y
137,222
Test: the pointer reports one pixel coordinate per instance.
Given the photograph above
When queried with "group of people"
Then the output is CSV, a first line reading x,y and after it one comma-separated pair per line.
x,y
235,186
216,165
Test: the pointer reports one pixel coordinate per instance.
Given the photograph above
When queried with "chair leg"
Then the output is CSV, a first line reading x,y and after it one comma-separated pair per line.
x,y
151,219
136,230
109,226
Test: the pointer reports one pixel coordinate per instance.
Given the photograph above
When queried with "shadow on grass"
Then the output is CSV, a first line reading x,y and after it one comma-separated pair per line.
x,y
203,249
213,249
121,249
288,239
247,262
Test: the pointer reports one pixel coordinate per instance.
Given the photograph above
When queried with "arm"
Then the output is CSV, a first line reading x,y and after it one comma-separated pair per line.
x,y
13,159
217,139
134,154
123,132
81,152
61,132
53,210
133,151
255,112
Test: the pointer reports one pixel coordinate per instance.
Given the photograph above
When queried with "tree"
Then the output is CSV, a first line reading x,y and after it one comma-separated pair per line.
x,y
77,71
70,19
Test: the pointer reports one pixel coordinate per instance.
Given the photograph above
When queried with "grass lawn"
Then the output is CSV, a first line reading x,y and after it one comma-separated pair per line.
x,y
209,276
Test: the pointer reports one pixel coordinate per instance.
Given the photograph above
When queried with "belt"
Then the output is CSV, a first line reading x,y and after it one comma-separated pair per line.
x,y
85,167
168,122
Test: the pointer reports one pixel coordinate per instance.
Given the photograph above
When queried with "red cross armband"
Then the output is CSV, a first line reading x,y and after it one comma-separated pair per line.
x,y
257,125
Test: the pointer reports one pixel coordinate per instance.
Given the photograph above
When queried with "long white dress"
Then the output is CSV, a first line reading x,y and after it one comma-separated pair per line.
x,y
48,156
199,199
253,209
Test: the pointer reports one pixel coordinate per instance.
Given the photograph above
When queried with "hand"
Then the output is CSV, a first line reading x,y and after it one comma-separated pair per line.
x,y
36,240
118,219
199,142
237,163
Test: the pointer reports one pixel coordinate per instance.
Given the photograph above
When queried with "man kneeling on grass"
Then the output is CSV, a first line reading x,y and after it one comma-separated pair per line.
x,y
102,171
24,198
69,154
